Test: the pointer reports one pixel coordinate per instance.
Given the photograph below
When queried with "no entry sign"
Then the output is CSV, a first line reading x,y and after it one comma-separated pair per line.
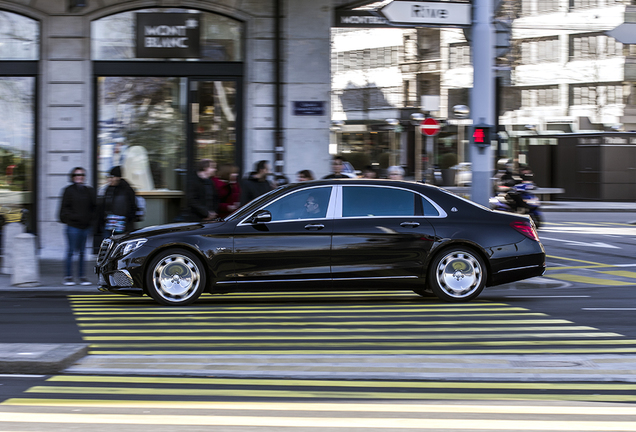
x,y
429,127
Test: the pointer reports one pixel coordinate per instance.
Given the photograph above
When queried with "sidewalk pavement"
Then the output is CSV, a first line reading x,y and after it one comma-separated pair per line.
x,y
73,358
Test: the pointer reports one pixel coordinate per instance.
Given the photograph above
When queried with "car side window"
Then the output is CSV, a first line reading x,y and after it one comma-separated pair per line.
x,y
360,201
304,204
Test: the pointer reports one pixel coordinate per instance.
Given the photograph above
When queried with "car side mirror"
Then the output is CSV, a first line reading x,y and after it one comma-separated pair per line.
x,y
261,216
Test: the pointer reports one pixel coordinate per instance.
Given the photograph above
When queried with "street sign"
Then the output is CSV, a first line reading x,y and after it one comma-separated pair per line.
x,y
430,127
436,13
624,33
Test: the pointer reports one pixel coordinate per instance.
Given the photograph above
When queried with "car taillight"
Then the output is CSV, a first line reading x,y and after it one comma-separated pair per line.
x,y
525,228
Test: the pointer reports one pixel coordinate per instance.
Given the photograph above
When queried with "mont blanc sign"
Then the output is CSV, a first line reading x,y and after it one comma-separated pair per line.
x,y
168,35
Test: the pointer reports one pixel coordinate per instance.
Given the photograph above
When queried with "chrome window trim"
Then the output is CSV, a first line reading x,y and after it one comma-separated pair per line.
x,y
327,216
440,210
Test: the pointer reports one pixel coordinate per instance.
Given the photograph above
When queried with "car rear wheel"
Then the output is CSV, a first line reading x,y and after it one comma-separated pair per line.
x,y
175,277
457,274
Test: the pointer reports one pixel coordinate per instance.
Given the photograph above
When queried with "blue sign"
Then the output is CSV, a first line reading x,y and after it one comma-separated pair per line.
x,y
309,108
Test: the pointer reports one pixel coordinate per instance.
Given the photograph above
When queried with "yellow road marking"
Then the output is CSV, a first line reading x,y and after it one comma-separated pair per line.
x,y
587,280
257,312
337,407
107,328
329,336
319,422
421,351
140,391
343,383
340,323
372,343
621,273
578,260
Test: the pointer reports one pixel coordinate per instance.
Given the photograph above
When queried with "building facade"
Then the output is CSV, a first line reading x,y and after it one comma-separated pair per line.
x,y
152,86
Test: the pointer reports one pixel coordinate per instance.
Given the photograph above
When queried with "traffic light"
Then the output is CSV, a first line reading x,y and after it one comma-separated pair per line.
x,y
482,135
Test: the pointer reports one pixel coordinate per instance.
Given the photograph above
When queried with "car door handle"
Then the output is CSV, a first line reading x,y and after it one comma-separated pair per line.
x,y
410,224
314,226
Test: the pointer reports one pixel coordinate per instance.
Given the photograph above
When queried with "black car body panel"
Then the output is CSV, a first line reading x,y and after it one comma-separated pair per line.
x,y
369,234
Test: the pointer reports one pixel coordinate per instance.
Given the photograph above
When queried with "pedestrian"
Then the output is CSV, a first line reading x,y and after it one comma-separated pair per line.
x,y
256,183
77,210
337,165
395,172
228,189
202,197
304,175
118,207
369,173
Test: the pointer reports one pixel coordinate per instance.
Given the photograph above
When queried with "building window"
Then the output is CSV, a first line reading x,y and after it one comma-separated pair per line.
x,y
370,58
583,4
19,37
597,95
459,55
114,37
594,46
19,47
540,50
539,96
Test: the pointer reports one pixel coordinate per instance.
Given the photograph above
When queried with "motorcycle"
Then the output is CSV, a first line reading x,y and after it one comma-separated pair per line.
x,y
518,199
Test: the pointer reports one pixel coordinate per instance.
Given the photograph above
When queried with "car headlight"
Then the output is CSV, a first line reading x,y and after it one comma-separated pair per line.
x,y
129,246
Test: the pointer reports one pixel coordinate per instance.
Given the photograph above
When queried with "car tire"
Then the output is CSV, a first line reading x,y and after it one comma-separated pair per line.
x,y
457,274
175,277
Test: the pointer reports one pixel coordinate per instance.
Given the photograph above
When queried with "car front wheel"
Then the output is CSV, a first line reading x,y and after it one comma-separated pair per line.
x,y
457,274
175,277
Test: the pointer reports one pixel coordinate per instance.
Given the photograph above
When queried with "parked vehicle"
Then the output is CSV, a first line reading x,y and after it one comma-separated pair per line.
x,y
329,235
518,199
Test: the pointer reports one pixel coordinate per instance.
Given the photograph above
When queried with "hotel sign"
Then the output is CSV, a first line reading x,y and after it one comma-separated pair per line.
x,y
168,35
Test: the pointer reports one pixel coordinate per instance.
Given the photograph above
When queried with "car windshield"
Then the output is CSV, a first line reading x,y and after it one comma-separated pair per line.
x,y
252,205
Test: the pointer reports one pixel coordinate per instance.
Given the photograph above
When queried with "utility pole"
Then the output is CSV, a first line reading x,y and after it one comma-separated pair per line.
x,y
482,101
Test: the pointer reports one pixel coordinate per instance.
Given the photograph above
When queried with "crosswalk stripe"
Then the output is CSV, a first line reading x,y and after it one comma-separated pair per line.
x,y
621,273
552,409
189,381
319,422
181,337
308,394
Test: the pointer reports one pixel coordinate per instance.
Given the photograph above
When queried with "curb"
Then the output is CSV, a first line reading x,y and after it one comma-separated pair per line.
x,y
40,359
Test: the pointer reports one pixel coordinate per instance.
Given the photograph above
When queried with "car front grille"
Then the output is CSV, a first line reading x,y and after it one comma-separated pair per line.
x,y
121,278
104,250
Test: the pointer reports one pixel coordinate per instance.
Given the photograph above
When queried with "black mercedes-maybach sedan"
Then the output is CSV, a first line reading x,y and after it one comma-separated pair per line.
x,y
329,235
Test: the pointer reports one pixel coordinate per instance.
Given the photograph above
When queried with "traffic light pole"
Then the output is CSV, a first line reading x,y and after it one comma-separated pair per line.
x,y
482,101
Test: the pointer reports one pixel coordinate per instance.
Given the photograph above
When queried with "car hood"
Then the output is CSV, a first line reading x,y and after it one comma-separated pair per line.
x,y
155,230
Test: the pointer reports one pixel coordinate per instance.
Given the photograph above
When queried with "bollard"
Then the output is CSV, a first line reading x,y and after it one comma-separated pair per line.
x,y
9,232
26,268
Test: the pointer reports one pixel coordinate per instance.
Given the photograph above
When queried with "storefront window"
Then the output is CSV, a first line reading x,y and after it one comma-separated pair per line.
x,y
19,45
17,143
19,37
141,129
114,37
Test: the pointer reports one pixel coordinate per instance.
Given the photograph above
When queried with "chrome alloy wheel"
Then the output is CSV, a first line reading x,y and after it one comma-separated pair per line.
x,y
459,274
176,278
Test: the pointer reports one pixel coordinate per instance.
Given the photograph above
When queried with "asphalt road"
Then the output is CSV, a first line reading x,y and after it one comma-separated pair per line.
x,y
585,303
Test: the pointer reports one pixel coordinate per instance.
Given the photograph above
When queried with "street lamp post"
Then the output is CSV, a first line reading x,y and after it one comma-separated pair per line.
x,y
416,120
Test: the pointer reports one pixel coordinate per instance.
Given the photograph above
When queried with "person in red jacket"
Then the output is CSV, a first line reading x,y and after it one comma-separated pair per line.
x,y
228,188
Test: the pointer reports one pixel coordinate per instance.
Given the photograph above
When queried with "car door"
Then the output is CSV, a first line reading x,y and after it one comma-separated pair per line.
x,y
382,236
294,247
